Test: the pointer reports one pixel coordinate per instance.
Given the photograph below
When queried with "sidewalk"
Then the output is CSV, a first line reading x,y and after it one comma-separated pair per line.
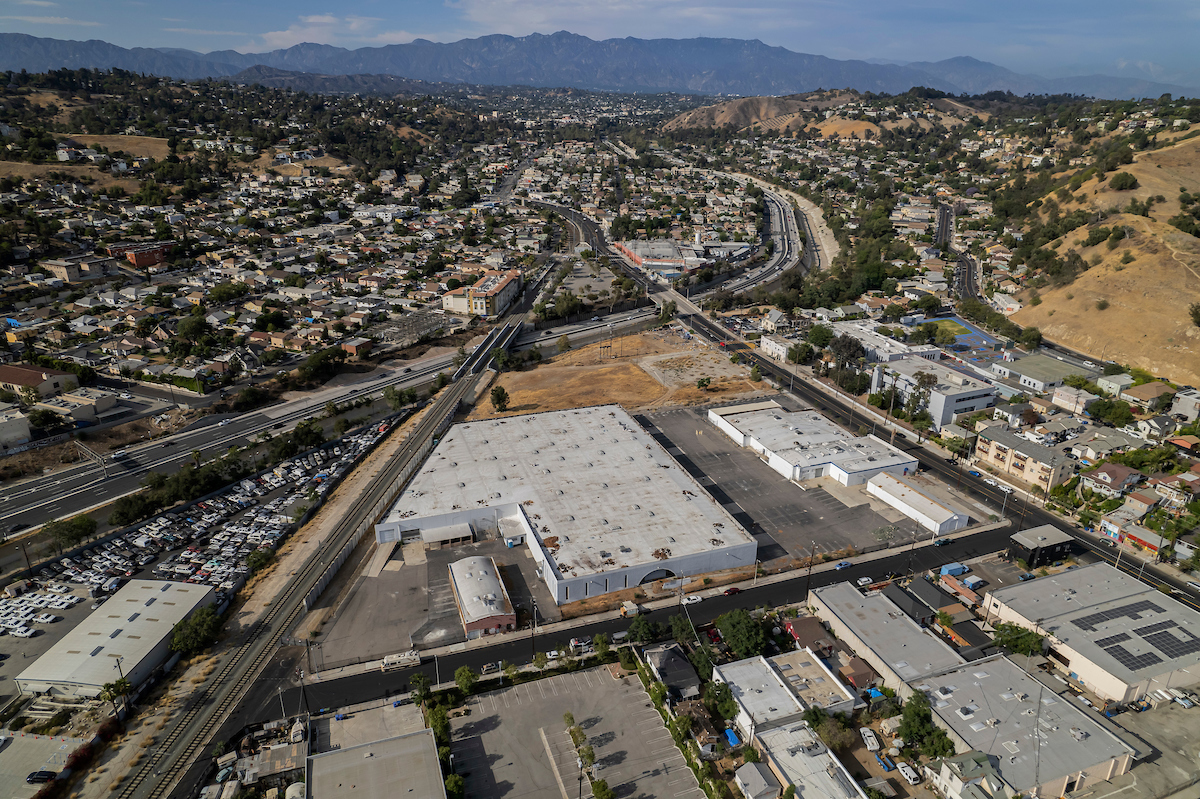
x,y
652,605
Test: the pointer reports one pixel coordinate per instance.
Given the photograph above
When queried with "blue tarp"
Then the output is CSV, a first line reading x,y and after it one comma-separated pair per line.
x,y
875,693
731,738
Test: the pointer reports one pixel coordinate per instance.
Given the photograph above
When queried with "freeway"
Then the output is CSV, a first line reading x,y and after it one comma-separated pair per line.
x,y
87,485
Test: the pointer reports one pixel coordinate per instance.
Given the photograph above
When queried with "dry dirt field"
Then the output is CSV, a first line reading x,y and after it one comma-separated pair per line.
x,y
146,146
650,370
38,171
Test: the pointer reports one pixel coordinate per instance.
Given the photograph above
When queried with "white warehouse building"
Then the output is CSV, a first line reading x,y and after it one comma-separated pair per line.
x,y
598,502
131,630
928,511
804,445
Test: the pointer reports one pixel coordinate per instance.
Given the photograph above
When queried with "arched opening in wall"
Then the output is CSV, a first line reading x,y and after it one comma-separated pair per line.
x,y
657,574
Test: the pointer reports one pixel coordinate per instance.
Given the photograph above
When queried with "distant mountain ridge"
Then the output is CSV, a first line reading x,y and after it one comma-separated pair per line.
x,y
695,66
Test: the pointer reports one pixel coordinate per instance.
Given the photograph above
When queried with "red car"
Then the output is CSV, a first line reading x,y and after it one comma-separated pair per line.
x,y
714,636
732,591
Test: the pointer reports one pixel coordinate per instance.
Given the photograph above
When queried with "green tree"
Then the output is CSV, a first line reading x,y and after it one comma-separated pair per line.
x,y
564,344
718,698
1194,313
510,671
1031,338
587,754
30,396
47,420
600,790
1123,181
420,688
119,687
466,678
540,661
1017,639
681,629
641,631
499,398
703,383
820,335
456,786
196,632
742,633
600,642
755,374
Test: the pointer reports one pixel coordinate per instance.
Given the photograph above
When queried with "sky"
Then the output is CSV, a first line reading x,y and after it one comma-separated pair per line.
x,y
1156,39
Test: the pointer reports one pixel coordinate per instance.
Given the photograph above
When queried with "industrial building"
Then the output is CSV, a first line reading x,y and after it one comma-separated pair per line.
x,y
891,643
1040,372
952,394
1040,743
928,511
1108,631
129,635
598,502
483,602
378,770
1040,546
804,445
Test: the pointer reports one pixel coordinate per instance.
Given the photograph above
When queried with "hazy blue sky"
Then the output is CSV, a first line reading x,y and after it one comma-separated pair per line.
x,y
1154,38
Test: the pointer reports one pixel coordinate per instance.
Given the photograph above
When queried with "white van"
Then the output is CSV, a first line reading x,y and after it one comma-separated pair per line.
x,y
907,772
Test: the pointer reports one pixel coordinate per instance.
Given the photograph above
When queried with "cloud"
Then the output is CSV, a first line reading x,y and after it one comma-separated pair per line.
x,y
42,3
762,19
54,21
198,32
349,31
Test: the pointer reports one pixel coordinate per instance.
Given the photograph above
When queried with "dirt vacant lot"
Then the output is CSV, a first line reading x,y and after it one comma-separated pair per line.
x,y
646,370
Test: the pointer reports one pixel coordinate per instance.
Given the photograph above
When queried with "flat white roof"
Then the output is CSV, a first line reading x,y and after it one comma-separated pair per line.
x,y
481,594
807,764
1036,735
892,636
601,493
949,381
866,335
760,691
913,497
129,626
807,439
1128,629
379,770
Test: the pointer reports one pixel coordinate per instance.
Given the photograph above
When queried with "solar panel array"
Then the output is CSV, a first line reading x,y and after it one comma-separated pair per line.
x,y
1132,611
1167,636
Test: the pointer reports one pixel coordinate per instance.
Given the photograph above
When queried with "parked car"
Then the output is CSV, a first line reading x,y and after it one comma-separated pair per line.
x,y
845,564
941,542
734,591
691,599
863,581
39,777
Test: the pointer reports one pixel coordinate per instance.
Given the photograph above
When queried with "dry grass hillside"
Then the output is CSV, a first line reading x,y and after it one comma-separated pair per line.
x,y
139,146
1159,172
771,113
1145,297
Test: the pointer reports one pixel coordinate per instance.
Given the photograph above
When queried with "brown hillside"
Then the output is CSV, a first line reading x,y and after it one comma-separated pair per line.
x,y
147,146
1159,172
773,113
1146,323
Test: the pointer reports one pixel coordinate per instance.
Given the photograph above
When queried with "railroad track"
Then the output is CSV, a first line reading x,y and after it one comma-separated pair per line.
x,y
209,708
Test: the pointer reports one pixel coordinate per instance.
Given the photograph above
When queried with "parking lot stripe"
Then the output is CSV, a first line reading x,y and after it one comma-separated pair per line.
x,y
553,763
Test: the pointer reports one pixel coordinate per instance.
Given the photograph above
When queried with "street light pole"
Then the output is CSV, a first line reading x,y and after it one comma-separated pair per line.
x,y
28,565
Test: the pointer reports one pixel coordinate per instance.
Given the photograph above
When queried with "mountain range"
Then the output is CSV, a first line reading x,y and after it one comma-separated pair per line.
x,y
694,66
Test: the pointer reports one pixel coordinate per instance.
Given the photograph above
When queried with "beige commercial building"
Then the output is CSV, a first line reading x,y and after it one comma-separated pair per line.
x,y
1022,459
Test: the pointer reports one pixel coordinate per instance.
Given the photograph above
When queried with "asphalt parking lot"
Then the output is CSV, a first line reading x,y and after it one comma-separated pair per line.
x,y
514,741
20,653
21,756
410,603
783,517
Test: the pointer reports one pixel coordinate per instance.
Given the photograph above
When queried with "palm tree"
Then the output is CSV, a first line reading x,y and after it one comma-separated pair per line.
x,y
112,690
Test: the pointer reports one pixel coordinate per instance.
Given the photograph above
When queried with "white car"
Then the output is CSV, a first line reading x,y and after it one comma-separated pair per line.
x,y
862,581
691,599
46,618
24,632
990,481
126,396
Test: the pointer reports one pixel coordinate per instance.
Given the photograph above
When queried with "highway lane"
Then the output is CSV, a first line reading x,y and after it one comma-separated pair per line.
x,y
85,485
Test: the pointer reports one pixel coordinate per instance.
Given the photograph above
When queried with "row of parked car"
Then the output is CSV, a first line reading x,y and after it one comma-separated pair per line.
x,y
210,541
18,614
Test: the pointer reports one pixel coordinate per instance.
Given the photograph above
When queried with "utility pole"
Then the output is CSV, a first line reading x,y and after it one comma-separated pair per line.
x,y
808,578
